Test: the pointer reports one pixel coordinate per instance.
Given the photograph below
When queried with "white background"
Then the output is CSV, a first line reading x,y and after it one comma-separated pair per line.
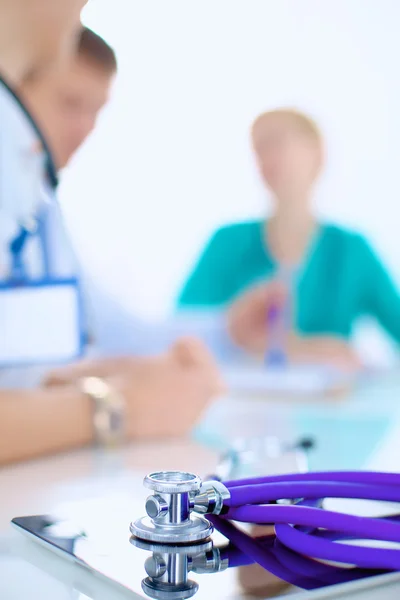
x,y
171,160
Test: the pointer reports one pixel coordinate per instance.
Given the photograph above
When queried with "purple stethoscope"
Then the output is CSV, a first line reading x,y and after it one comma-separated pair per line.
x,y
293,504
307,538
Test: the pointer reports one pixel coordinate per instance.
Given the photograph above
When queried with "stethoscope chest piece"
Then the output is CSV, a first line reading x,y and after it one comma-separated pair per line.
x,y
169,517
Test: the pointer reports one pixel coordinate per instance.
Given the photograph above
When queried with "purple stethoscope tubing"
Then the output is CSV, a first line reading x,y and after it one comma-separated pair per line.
x,y
367,477
249,502
279,561
262,555
268,492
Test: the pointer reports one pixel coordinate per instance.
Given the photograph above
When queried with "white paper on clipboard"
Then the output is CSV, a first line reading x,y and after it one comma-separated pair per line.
x,y
39,324
302,379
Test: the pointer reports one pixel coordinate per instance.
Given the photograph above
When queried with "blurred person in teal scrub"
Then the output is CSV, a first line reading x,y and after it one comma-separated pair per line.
x,y
333,274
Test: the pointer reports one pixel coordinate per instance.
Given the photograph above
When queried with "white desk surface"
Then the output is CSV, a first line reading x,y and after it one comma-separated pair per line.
x,y
43,486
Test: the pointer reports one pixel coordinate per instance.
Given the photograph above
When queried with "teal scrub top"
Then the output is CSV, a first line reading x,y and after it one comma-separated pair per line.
x,y
341,279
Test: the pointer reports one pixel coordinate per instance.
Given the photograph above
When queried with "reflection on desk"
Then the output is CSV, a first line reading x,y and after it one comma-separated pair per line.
x,y
98,540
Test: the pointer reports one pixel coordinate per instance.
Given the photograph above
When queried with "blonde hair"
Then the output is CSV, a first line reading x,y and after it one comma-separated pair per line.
x,y
301,121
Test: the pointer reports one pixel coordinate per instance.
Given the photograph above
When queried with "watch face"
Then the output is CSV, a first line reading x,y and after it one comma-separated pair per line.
x,y
109,411
109,426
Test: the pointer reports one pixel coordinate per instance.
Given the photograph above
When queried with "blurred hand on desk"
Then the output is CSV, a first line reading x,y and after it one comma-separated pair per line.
x,y
164,397
248,327
164,394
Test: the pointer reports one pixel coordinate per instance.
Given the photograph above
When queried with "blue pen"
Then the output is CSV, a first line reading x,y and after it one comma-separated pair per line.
x,y
280,318
275,355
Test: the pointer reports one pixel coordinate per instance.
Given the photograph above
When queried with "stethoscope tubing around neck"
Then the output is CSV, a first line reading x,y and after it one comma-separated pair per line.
x,y
18,244
51,169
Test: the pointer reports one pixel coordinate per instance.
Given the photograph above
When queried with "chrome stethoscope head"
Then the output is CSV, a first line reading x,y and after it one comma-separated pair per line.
x,y
170,518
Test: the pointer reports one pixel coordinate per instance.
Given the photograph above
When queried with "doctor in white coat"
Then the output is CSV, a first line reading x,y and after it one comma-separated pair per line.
x,y
123,404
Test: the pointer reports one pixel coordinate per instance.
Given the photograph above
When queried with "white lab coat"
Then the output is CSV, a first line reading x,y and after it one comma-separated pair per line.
x,y
24,193
22,176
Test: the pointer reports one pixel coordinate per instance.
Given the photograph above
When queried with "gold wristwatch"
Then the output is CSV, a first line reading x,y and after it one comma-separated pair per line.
x,y
108,411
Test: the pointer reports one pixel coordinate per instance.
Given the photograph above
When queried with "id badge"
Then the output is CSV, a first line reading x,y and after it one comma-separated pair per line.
x,y
40,322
